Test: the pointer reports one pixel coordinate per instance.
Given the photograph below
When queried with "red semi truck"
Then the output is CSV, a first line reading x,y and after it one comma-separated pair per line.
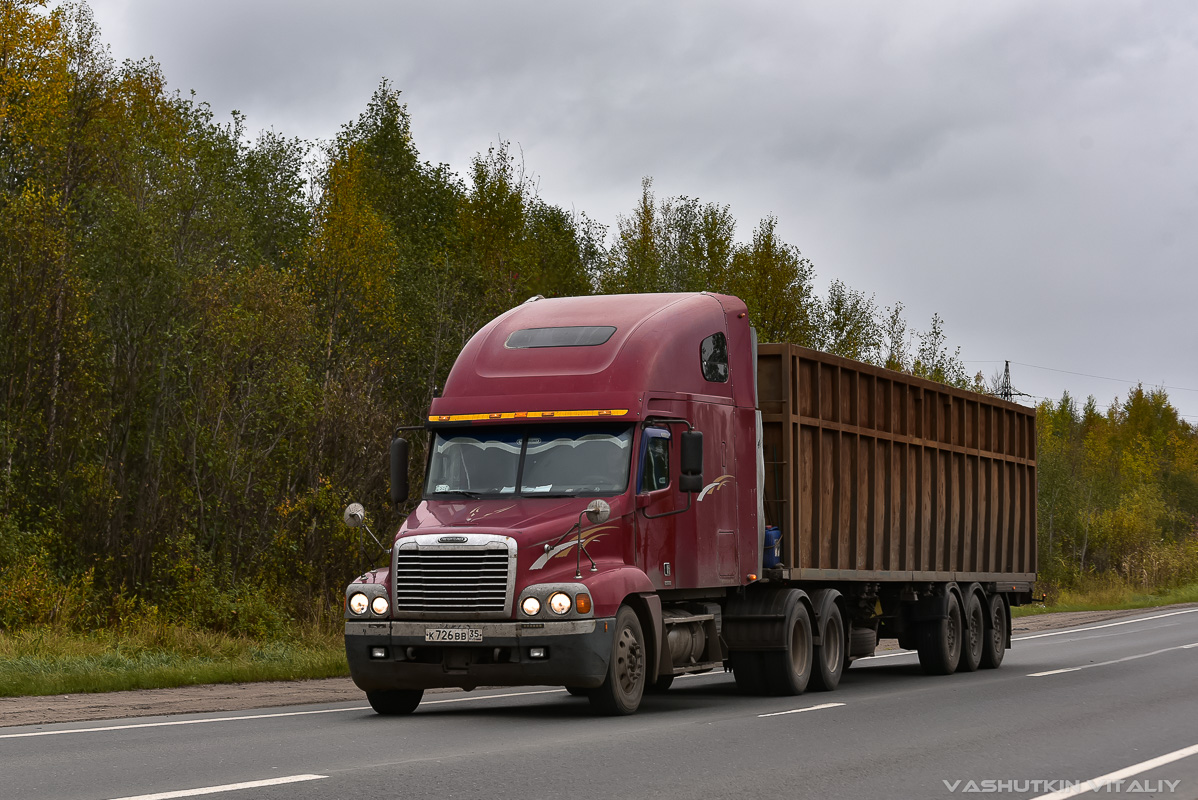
x,y
622,489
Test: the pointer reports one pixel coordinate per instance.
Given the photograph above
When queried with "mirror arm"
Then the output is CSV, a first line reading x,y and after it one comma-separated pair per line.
x,y
376,539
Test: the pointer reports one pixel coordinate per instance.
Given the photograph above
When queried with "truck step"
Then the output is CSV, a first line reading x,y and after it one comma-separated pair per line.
x,y
702,667
686,620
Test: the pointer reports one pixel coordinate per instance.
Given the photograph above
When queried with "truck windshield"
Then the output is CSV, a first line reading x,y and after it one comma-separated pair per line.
x,y
542,461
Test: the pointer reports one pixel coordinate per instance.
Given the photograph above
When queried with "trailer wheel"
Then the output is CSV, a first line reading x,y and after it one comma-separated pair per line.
x,y
830,655
624,685
394,702
940,641
974,637
994,643
787,672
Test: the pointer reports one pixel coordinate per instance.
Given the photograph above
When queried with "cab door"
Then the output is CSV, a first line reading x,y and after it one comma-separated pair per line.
x,y
656,503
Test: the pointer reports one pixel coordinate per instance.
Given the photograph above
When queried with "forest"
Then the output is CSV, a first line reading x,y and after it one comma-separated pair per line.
x,y
207,337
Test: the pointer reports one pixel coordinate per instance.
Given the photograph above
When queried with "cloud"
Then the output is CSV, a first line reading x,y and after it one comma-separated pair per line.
x,y
1027,170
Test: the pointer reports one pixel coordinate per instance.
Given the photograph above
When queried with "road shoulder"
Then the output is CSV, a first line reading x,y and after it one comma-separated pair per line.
x,y
269,694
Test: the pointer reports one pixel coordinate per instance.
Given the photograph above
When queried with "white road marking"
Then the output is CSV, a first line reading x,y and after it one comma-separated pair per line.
x,y
1061,633
173,723
1104,782
228,787
1108,663
1105,625
892,655
801,710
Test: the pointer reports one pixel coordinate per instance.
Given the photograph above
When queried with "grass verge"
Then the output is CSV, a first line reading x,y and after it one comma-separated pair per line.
x,y
46,661
1109,597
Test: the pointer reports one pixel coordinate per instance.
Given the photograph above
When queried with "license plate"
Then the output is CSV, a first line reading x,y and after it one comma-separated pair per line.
x,y
453,635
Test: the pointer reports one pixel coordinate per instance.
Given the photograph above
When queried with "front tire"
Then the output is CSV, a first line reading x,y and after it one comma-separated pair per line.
x,y
830,656
624,685
394,702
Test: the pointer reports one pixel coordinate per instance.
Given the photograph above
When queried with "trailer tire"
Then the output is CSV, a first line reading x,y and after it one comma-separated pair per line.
x,y
787,672
994,644
940,641
830,655
974,630
622,689
394,702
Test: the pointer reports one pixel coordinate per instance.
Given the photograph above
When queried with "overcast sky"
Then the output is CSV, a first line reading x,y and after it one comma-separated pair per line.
x,y
1028,170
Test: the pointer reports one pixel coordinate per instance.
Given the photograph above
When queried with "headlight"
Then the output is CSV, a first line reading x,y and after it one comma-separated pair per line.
x,y
379,605
358,603
531,606
560,602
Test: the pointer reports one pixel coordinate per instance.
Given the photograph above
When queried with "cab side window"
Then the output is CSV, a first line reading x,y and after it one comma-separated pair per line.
x,y
713,358
656,473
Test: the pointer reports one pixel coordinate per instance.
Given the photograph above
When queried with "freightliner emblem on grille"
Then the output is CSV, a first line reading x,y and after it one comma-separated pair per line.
x,y
452,540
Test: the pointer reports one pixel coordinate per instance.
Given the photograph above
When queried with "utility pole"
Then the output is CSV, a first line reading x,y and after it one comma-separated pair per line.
x,y
1004,389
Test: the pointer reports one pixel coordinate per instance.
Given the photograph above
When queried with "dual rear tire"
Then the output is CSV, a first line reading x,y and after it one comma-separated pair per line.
x,y
785,671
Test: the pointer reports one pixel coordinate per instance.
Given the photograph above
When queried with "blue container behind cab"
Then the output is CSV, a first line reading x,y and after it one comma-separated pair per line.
x,y
772,555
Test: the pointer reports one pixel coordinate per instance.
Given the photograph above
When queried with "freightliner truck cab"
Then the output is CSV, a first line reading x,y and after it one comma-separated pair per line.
x,y
591,495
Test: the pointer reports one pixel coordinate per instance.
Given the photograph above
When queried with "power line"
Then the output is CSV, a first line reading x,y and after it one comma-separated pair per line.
x,y
1081,374
1008,393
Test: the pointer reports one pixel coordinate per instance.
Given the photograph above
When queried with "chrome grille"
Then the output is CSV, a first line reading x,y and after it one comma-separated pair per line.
x,y
468,580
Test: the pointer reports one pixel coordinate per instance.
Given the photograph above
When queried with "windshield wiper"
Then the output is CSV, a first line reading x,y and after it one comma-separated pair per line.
x,y
460,493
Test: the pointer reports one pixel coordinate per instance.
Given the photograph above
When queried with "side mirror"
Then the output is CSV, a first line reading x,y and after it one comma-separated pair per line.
x,y
354,516
399,471
691,462
598,511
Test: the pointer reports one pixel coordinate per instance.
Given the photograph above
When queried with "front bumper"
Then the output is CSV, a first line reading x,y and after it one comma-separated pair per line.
x,y
576,654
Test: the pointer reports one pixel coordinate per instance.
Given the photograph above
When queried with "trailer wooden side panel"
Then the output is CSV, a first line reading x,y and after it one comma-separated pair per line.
x,y
876,475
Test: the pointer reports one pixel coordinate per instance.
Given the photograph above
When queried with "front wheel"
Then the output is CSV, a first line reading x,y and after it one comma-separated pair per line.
x,y
395,702
624,685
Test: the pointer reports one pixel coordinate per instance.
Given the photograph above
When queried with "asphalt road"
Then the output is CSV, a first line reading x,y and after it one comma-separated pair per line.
x,y
1114,704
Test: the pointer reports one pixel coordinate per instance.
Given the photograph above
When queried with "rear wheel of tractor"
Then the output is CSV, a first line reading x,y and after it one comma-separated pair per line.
x,y
624,685
747,670
994,644
830,658
787,672
940,641
974,637
394,702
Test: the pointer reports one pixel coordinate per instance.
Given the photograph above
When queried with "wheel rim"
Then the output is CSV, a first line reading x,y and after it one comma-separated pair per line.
x,y
630,663
833,647
977,622
954,628
999,629
798,649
